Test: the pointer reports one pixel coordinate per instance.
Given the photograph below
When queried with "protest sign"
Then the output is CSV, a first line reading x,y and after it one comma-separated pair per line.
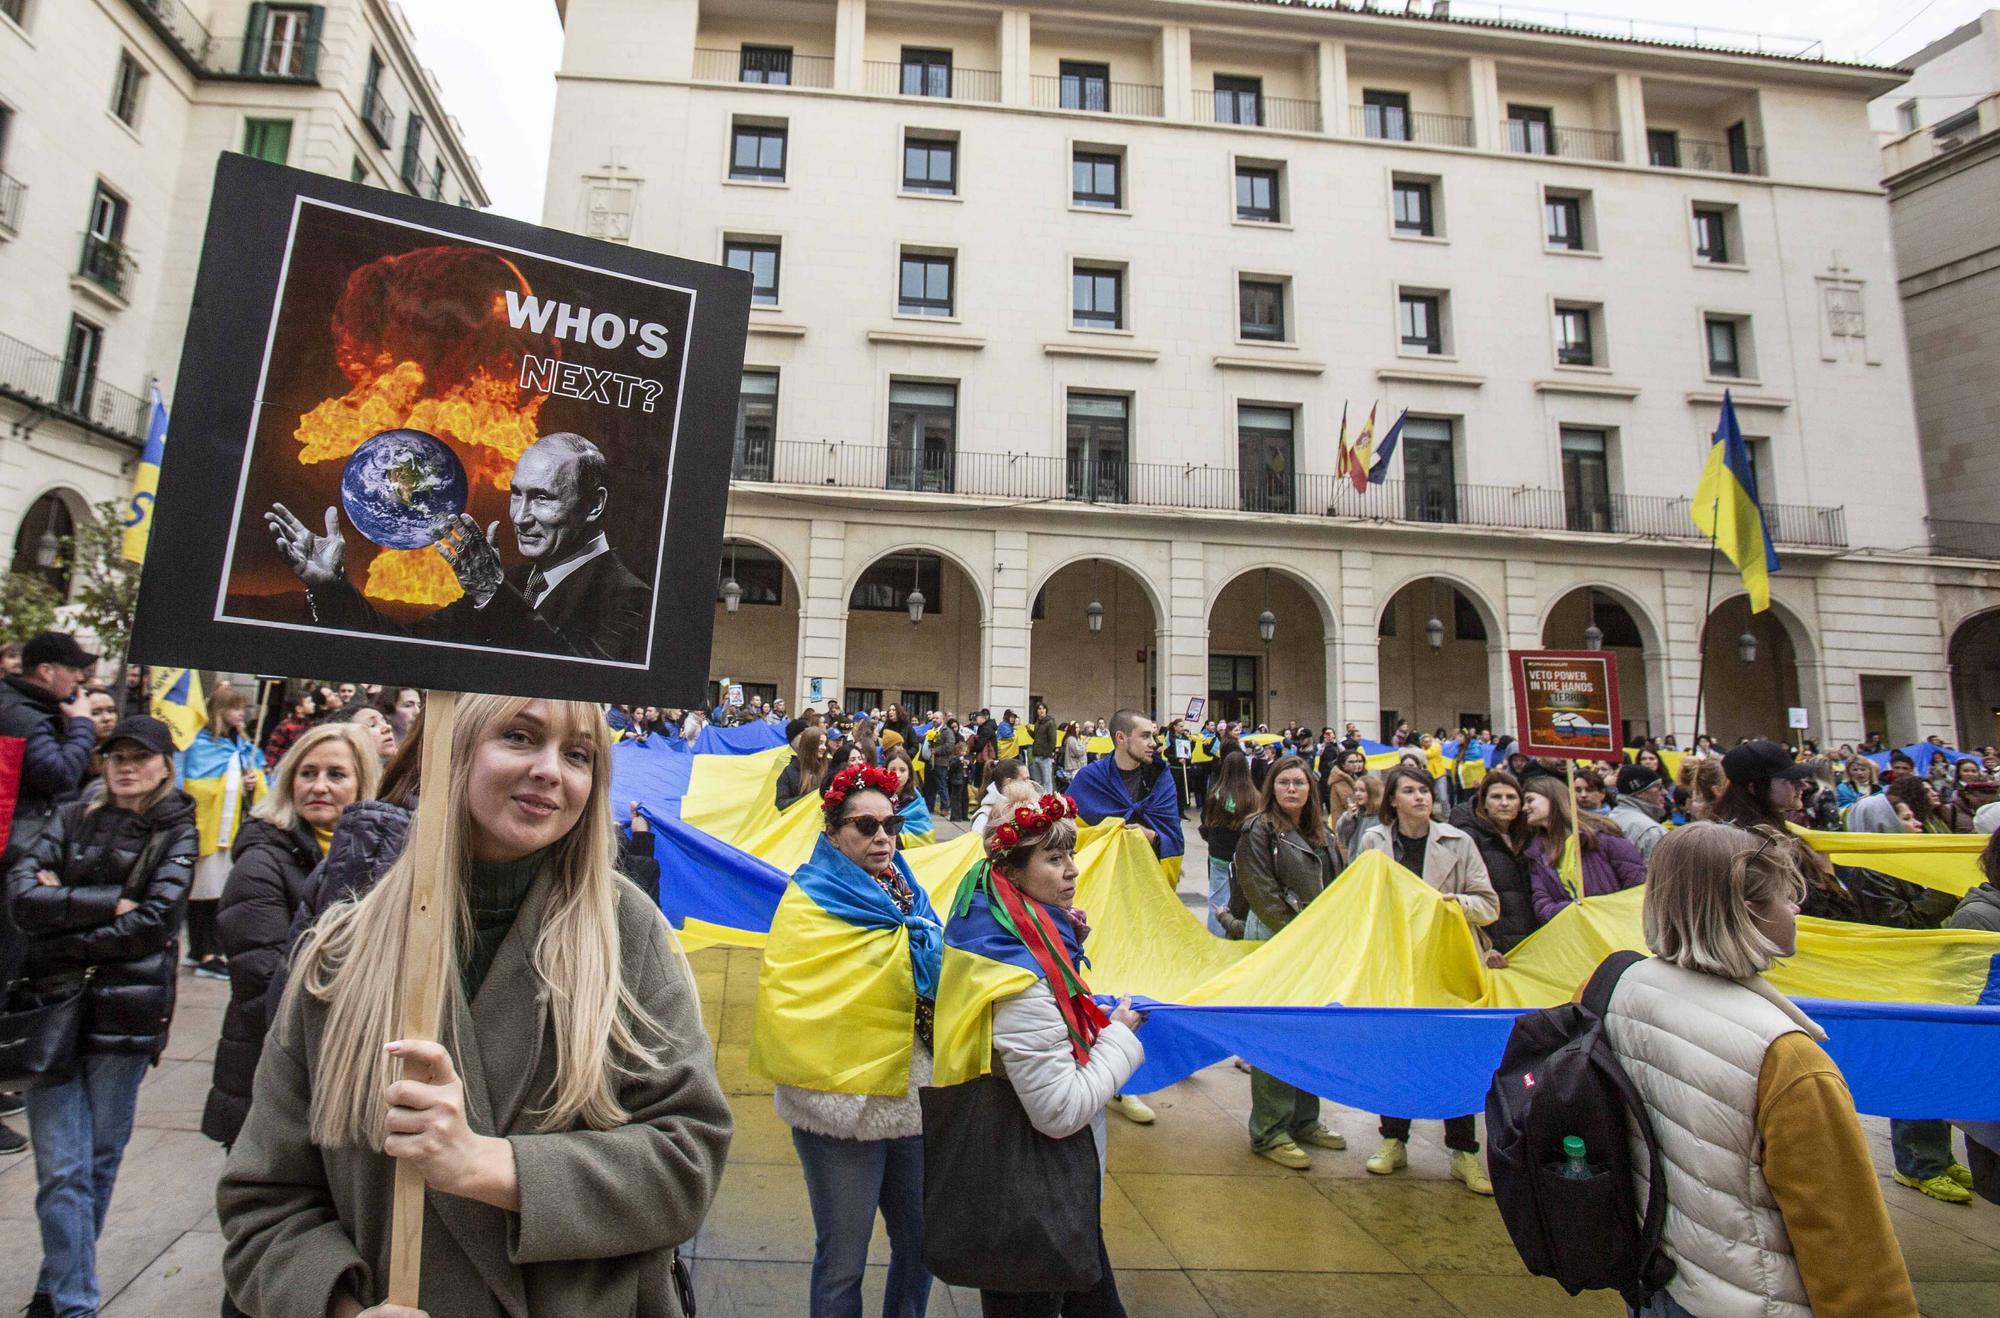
x,y
418,444
1568,703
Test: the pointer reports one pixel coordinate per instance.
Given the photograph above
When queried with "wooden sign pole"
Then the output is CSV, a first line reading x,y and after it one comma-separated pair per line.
x,y
431,844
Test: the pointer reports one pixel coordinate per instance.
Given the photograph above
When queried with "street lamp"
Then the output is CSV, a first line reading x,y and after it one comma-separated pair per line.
x,y
1593,637
1094,615
47,549
732,594
1267,625
1746,646
1434,634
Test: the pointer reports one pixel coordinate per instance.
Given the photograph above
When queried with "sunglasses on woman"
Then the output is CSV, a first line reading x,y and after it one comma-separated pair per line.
x,y
869,825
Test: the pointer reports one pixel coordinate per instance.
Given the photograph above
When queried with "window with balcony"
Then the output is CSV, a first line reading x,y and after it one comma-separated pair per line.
x,y
1663,148
285,50
769,65
1239,100
105,262
1085,86
1264,453
1738,137
926,72
1576,343
1564,226
413,146
930,165
1260,310
268,139
79,368
1586,469
1257,188
437,177
126,88
1531,130
924,286
923,428
760,258
1097,180
1711,235
757,152
1420,323
1100,428
1412,202
1385,115
1430,473
756,427
1097,298
375,111
1725,346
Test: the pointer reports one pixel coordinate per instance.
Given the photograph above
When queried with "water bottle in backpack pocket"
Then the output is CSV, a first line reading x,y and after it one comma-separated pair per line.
x,y
1559,1120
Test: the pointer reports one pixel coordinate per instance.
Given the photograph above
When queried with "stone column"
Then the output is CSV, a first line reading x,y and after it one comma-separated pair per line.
x,y
850,32
823,619
1176,72
1483,102
1015,47
1630,98
1682,594
1004,665
1357,644
1335,120
1184,649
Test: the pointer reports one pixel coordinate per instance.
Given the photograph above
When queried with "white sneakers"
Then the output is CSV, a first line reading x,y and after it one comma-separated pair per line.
x,y
1466,1167
1132,1108
1393,1156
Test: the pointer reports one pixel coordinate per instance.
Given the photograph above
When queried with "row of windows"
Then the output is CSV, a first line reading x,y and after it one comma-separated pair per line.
x,y
922,452
925,286
1097,182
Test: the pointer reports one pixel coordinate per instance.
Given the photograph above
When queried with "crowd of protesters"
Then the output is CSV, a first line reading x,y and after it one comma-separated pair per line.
x,y
269,834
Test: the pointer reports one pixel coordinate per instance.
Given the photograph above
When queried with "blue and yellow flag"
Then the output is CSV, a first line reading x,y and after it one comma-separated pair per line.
x,y
1726,510
137,515
179,702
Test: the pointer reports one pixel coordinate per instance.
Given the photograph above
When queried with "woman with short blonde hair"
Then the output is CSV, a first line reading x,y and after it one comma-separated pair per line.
x,y
569,1125
1773,1206
279,808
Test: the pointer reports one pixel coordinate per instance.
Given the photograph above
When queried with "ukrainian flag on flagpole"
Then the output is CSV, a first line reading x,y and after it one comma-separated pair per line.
x,y
1727,512
178,702
138,513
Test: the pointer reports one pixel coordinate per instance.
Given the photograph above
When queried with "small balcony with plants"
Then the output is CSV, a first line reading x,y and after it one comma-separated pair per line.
x,y
106,269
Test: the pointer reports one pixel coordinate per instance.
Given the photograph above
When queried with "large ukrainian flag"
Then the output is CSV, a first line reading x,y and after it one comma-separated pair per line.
x,y
1727,512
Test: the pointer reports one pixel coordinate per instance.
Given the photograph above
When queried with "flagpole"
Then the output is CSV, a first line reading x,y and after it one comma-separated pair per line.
x,y
1701,633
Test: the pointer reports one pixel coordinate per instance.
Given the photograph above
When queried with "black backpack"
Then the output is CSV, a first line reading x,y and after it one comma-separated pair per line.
x,y
1558,1078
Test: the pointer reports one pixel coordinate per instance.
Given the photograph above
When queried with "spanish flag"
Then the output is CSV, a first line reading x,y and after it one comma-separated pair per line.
x,y
843,969
178,702
1727,512
137,515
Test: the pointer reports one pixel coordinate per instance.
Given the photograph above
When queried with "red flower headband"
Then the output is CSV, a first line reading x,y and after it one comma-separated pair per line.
x,y
1029,822
857,777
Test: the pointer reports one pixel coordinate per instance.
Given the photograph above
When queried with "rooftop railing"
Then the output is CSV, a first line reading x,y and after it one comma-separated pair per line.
x,y
790,70
48,381
272,58
1095,97
1532,138
1969,539
942,82
1703,35
1714,157
1016,477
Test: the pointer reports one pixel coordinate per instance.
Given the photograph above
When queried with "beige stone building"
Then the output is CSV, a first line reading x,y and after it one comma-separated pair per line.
x,y
112,115
1059,309
1941,159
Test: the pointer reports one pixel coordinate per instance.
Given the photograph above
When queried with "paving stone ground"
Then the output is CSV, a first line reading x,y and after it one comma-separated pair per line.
x,y
1197,1226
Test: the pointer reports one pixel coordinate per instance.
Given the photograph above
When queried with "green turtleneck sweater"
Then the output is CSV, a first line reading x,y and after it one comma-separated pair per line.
x,y
493,896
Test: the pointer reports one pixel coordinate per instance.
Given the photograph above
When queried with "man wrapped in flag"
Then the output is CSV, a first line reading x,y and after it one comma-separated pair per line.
x,y
1012,1003
1133,784
843,1029
1726,509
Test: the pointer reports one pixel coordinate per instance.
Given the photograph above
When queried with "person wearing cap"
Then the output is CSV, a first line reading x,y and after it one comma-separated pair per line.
x,y
1641,805
98,898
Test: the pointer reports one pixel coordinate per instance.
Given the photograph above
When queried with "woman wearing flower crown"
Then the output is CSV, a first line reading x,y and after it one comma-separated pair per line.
x,y
844,1012
1050,1041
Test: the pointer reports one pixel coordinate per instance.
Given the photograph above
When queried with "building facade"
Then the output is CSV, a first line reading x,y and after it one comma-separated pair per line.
x,y
1941,162
112,115
1060,313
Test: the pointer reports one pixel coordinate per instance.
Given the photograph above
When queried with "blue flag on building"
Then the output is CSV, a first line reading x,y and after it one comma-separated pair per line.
x,y
1386,450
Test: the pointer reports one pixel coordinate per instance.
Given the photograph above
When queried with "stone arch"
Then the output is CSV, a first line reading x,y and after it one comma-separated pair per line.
x,y
1494,618
1642,675
946,657
1786,672
1972,655
1291,677
56,509
1328,615
956,559
758,645
1138,574
1441,688
1082,674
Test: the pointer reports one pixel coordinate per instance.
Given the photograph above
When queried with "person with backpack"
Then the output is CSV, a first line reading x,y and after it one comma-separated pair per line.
x,y
1772,1203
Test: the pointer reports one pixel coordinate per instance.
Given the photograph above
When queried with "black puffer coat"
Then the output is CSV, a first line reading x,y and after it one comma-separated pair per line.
x,y
254,923
1509,872
71,927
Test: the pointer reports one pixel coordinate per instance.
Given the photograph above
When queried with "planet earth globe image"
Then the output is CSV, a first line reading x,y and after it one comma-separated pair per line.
x,y
398,483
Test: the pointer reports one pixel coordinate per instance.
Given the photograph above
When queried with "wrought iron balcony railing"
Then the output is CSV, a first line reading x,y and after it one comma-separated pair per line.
x,y
1533,138
939,81
69,389
1390,124
1284,113
1020,476
1089,96
768,70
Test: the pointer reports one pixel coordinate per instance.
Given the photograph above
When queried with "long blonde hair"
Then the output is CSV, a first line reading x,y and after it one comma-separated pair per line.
x,y
278,807
352,959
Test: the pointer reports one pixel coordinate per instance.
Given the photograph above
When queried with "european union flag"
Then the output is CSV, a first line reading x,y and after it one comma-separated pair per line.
x,y
1727,512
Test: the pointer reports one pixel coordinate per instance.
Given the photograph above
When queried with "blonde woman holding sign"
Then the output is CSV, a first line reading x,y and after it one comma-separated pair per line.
x,y
569,1128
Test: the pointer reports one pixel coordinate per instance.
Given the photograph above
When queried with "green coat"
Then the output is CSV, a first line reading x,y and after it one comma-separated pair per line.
x,y
601,1211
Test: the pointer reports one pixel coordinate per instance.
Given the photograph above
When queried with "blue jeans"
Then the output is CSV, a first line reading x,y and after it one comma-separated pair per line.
x,y
1042,768
80,1129
1662,1305
846,1181
1922,1148
1218,892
